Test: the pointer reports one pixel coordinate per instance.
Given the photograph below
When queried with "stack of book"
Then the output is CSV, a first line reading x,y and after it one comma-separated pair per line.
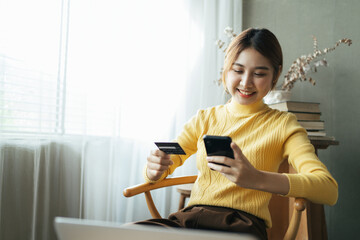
x,y
307,113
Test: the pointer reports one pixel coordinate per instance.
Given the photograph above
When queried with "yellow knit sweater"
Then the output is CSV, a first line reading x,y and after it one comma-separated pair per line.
x,y
266,137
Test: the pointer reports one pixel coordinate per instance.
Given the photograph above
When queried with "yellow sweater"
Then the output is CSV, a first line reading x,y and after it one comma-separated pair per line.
x,y
266,137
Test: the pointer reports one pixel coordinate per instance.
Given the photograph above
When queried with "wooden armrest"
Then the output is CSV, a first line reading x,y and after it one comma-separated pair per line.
x,y
145,187
299,206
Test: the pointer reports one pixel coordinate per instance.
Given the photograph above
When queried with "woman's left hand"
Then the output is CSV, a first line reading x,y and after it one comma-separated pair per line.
x,y
238,170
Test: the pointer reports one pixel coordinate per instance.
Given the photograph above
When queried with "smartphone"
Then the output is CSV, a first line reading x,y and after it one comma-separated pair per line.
x,y
218,146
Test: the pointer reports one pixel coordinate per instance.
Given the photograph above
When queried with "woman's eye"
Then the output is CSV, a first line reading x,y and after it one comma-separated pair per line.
x,y
238,71
260,74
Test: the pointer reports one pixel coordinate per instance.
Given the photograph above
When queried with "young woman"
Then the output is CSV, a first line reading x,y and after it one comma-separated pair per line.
x,y
235,197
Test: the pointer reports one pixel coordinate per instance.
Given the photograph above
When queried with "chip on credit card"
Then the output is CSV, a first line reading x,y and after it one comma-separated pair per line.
x,y
170,148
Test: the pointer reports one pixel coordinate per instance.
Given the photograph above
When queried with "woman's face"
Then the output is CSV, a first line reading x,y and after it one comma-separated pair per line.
x,y
250,77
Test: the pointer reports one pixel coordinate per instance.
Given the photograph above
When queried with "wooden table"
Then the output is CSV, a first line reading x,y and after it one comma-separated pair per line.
x,y
313,224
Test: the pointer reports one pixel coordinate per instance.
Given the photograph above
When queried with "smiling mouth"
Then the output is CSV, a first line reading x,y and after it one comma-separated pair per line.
x,y
246,94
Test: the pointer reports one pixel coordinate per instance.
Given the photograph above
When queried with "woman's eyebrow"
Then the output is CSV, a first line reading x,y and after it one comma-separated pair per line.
x,y
258,67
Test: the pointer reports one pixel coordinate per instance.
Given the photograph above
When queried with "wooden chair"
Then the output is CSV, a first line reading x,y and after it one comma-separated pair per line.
x,y
293,224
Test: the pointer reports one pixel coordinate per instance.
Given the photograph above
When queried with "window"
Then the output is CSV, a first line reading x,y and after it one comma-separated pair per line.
x,y
103,68
31,92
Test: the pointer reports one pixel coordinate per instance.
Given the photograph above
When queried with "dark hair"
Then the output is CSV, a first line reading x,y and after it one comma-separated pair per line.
x,y
263,41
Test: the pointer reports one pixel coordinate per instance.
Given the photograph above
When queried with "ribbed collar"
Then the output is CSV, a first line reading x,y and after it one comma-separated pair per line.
x,y
243,110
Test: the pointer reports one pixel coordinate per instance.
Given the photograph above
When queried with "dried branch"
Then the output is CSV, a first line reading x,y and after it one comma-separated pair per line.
x,y
302,65
229,32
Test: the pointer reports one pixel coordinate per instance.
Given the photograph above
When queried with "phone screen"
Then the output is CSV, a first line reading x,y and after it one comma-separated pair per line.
x,y
218,146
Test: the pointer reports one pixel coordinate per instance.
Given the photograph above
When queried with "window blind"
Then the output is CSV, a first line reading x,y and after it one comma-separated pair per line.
x,y
32,60
30,99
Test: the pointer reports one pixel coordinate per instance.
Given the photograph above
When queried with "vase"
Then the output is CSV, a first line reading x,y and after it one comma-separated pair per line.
x,y
276,96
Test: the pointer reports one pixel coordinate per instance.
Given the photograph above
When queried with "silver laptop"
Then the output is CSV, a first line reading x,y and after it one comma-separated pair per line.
x,y
79,229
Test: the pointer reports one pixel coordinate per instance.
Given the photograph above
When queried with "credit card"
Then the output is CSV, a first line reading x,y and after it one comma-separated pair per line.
x,y
170,148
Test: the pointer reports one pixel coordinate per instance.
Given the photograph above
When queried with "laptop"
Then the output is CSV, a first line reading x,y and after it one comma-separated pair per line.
x,y
79,229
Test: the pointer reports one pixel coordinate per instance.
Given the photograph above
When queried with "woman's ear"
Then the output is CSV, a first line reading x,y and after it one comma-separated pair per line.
x,y
276,78
279,72
223,79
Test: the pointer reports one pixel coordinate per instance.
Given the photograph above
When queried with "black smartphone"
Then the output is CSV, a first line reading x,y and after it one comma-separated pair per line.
x,y
218,146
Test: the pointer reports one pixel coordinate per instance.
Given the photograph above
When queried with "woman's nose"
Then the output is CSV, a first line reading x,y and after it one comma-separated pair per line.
x,y
246,80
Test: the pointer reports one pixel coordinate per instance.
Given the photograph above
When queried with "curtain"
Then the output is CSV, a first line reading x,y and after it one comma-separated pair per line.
x,y
134,72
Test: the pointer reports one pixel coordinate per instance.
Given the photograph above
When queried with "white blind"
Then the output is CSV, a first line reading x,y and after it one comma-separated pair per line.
x,y
31,60
30,99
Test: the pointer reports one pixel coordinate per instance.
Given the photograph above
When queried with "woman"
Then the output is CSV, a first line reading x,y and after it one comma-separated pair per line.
x,y
235,197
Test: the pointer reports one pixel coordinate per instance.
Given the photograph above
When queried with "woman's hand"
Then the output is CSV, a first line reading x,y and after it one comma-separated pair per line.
x,y
240,171
157,163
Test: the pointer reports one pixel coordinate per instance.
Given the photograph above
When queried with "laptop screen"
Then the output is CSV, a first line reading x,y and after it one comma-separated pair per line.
x,y
78,229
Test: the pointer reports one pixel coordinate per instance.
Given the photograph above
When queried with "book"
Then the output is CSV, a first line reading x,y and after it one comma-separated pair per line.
x,y
295,106
322,138
316,133
312,125
307,116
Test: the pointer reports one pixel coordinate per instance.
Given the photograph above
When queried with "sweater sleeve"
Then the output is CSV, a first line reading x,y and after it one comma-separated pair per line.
x,y
188,141
312,181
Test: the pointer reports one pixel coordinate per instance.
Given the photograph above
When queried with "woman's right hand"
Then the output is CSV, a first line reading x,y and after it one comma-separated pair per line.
x,y
157,163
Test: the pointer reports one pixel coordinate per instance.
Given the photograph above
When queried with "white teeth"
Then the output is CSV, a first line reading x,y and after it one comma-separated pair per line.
x,y
245,93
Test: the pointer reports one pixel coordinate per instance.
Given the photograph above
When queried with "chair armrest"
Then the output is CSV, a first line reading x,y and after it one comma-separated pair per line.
x,y
300,204
145,187
299,207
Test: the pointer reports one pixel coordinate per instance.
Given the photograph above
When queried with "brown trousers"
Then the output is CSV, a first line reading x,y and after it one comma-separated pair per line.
x,y
213,218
